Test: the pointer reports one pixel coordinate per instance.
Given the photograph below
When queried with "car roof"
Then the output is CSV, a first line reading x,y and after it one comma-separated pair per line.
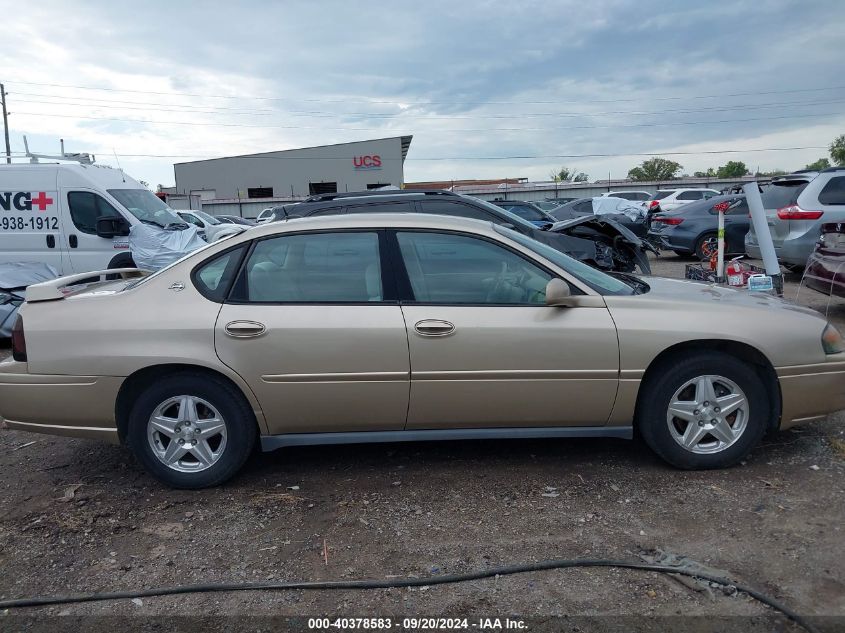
x,y
323,197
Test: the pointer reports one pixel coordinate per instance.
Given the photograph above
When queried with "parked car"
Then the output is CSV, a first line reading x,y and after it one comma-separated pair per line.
x,y
283,212
266,215
627,213
527,211
693,228
637,195
545,205
561,201
668,199
796,207
404,327
598,242
235,219
825,271
210,227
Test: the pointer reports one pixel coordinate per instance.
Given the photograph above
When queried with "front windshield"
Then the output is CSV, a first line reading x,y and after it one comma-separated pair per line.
x,y
595,279
513,218
147,207
207,218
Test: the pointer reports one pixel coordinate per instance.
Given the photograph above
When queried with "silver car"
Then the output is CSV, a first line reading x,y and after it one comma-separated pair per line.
x,y
796,207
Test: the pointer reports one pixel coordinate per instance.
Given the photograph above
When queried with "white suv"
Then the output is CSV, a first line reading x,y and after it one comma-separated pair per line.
x,y
668,199
628,194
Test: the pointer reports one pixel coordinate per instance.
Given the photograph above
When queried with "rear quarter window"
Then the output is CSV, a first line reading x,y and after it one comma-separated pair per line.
x,y
833,192
213,277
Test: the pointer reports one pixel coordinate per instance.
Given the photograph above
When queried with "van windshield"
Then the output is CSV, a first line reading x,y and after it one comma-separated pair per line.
x,y
147,207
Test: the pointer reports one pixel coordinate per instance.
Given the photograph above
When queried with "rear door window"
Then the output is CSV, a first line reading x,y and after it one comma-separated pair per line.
x,y
447,207
341,267
689,195
833,192
380,207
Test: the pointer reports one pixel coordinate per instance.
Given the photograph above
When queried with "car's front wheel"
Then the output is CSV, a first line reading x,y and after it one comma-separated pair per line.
x,y
191,430
707,410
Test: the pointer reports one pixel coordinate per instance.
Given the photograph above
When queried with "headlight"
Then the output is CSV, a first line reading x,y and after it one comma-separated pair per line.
x,y
832,340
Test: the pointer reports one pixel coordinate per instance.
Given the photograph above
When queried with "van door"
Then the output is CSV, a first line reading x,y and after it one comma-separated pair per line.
x,y
85,249
30,221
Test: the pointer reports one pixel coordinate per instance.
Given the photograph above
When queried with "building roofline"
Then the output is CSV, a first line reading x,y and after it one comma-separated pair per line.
x,y
405,141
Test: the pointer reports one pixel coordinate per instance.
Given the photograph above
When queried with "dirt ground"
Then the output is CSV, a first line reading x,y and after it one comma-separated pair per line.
x,y
78,515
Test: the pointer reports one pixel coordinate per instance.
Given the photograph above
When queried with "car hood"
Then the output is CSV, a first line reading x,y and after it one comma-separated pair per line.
x,y
697,292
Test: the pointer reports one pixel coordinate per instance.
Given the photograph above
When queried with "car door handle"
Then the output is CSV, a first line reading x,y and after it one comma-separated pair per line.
x,y
51,241
73,241
244,329
434,327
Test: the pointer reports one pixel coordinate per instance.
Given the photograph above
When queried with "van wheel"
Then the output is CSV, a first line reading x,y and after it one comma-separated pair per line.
x,y
124,260
707,410
191,430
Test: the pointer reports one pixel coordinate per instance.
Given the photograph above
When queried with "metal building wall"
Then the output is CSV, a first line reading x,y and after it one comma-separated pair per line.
x,y
290,172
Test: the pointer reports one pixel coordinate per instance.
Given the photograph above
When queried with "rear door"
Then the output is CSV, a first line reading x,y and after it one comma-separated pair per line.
x,y
313,326
485,349
780,194
30,219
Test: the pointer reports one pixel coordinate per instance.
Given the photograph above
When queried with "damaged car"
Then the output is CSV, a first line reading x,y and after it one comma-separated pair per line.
x,y
601,242
14,278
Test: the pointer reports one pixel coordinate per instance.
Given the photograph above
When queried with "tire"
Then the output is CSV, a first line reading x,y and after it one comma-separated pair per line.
x,y
747,424
124,260
701,243
224,450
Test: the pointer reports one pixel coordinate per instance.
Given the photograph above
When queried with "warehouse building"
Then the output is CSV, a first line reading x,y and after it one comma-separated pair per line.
x,y
245,184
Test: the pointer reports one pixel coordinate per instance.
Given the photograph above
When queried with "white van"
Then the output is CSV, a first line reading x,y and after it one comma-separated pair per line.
x,y
74,217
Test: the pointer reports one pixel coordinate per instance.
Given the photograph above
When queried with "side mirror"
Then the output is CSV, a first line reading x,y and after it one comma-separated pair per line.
x,y
112,226
558,293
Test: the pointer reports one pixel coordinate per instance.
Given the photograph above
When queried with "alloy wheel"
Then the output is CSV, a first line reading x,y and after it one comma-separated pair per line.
x,y
707,414
187,434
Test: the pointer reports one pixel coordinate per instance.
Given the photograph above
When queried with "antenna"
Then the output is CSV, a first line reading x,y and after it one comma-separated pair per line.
x,y
117,160
81,158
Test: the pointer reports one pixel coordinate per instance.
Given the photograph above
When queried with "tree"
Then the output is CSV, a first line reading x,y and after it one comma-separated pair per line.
x,y
566,174
773,172
732,169
710,173
837,150
820,164
655,169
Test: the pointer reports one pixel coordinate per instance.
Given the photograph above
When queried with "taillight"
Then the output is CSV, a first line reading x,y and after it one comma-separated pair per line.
x,y
18,341
794,212
653,203
665,220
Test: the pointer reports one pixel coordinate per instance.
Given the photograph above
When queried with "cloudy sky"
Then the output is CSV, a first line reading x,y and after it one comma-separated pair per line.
x,y
558,82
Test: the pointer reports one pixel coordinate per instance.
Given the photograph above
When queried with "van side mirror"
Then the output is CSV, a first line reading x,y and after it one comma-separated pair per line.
x,y
558,293
112,226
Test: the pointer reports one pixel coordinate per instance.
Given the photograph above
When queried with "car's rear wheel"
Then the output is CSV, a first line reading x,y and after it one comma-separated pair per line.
x,y
706,410
191,430
706,246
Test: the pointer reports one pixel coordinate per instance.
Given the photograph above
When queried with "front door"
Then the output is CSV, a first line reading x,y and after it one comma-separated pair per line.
x,y
86,250
486,351
312,327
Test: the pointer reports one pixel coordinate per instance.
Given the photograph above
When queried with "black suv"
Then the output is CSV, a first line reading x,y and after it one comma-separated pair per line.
x,y
600,248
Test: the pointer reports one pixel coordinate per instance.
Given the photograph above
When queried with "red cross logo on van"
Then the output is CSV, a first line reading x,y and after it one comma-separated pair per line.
x,y
42,201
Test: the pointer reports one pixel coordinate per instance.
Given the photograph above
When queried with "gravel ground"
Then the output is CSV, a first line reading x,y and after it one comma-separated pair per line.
x,y
78,515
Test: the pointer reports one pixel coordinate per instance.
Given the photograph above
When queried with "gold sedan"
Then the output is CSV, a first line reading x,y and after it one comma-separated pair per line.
x,y
387,328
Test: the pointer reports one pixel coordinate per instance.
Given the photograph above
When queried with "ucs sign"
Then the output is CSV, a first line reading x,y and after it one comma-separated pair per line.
x,y
367,162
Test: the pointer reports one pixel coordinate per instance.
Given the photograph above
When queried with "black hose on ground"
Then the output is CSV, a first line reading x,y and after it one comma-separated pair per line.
x,y
412,582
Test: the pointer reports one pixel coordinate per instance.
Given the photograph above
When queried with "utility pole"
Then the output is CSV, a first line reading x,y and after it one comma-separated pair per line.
x,y
5,123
